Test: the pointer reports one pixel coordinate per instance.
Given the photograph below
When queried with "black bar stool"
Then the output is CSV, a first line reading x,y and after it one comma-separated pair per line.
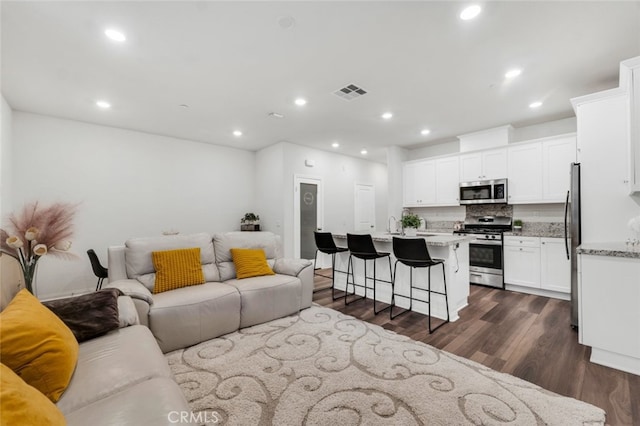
x,y
100,271
413,253
326,245
361,247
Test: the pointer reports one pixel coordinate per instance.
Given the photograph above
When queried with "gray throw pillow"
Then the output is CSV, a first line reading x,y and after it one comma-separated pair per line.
x,y
88,315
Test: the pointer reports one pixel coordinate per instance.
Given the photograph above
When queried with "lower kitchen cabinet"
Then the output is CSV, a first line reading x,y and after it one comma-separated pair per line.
x,y
609,318
555,268
522,261
537,263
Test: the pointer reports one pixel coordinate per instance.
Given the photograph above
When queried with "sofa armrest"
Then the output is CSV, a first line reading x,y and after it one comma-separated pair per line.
x,y
291,267
132,288
127,312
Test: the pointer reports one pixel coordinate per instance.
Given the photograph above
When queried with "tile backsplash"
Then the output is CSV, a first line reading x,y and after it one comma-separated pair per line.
x,y
475,210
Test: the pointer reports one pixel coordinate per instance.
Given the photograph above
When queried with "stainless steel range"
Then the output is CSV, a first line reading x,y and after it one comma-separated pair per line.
x,y
485,251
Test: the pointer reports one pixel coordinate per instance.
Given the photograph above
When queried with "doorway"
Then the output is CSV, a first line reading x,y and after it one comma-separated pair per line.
x,y
365,208
308,215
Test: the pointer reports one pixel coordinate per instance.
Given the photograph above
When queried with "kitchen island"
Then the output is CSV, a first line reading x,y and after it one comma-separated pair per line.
x,y
454,249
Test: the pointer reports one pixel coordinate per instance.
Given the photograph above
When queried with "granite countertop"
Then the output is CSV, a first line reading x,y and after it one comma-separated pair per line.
x,y
613,249
433,239
539,229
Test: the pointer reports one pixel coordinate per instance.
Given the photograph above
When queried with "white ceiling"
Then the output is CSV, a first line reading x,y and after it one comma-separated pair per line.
x,y
233,63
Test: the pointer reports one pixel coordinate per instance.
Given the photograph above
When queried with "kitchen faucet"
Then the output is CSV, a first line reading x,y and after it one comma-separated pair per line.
x,y
393,230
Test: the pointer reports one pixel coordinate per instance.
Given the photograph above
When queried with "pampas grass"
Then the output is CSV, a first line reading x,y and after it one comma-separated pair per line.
x,y
37,231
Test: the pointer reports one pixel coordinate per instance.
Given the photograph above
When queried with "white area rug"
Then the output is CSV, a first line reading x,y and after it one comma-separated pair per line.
x,y
326,368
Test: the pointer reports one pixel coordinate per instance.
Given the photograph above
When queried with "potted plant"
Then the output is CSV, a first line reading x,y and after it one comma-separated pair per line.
x,y
250,222
517,225
410,223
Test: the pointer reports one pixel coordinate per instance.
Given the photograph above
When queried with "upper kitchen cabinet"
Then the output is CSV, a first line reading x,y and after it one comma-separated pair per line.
x,y
631,71
483,165
419,183
539,170
431,182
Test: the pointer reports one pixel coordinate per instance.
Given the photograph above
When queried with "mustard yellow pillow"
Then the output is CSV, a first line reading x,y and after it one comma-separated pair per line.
x,y
250,263
177,269
37,345
21,404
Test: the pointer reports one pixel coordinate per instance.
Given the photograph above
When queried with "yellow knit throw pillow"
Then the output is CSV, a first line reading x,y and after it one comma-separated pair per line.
x,y
21,404
37,345
250,263
177,269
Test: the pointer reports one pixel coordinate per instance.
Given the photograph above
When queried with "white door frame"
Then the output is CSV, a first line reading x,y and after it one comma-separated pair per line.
x,y
313,180
355,207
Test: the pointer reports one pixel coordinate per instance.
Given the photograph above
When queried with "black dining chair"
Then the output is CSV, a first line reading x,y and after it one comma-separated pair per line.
x,y
100,271
413,252
326,245
361,247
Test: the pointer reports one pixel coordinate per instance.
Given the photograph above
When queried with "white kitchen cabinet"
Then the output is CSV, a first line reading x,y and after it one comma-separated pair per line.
x,y
557,156
609,318
522,261
555,268
447,184
419,179
632,70
483,165
525,173
431,182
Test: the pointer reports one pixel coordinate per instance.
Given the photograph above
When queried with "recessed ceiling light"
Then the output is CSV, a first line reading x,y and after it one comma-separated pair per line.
x,y
470,12
237,133
335,144
425,132
513,73
300,102
115,35
387,115
536,104
363,151
103,104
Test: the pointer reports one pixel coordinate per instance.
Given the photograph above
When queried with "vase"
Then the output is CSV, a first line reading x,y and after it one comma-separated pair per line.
x,y
29,274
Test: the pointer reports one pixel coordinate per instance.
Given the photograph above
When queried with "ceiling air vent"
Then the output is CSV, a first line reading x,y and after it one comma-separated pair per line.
x,y
350,92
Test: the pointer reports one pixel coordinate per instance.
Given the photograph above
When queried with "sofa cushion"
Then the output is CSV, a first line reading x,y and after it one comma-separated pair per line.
x,y
22,404
112,362
268,297
139,264
190,315
37,345
157,401
250,263
88,315
177,268
268,241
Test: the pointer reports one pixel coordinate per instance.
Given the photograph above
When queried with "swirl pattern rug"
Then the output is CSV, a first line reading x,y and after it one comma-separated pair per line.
x,y
322,367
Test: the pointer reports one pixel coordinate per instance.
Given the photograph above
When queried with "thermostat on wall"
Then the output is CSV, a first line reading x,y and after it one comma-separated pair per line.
x,y
309,163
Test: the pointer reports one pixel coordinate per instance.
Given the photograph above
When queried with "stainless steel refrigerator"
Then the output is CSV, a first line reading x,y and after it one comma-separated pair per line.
x,y
573,236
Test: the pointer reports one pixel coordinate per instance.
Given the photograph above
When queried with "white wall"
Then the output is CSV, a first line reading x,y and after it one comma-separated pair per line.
x,y
395,157
127,184
6,117
269,188
339,174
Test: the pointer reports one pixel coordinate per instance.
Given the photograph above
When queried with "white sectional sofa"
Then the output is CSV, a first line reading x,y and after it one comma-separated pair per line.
x,y
190,315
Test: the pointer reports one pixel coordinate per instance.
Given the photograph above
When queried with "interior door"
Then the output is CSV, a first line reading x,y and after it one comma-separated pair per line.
x,y
308,219
365,208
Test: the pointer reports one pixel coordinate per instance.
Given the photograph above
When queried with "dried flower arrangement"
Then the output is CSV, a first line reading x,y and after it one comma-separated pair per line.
x,y
35,232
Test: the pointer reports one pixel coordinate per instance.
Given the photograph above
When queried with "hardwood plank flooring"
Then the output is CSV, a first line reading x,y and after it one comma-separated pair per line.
x,y
520,334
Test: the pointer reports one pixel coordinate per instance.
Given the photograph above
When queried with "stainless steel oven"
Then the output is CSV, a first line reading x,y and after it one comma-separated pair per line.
x,y
485,261
485,250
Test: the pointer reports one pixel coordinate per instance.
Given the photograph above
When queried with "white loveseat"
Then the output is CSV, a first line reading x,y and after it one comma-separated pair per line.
x,y
190,315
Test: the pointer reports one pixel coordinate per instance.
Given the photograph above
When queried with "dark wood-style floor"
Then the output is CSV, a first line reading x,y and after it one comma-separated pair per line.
x,y
523,335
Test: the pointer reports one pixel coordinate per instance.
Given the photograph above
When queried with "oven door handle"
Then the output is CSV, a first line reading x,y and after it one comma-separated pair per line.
x,y
486,242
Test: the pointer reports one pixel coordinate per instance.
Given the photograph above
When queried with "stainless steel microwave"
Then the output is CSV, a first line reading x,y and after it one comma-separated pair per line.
x,y
483,192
